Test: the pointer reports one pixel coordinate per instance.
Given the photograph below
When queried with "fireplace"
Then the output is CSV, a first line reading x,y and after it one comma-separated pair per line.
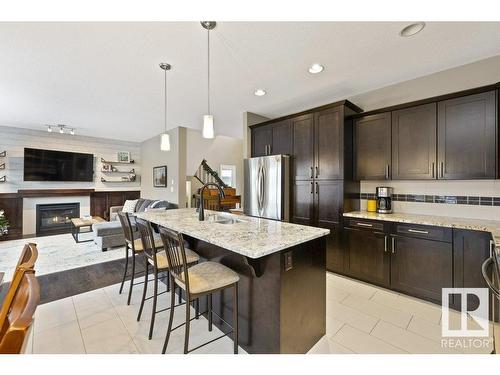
x,y
55,218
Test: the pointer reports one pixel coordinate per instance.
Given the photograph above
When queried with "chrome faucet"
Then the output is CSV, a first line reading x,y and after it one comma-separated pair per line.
x,y
201,215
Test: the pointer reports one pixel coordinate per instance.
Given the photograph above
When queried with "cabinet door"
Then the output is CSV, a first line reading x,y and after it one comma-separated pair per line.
x,y
372,144
302,202
99,204
282,138
414,143
303,147
262,140
366,257
421,267
328,135
335,251
328,203
470,250
466,137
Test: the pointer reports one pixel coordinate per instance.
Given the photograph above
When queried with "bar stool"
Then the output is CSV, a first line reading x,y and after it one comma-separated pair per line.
x,y
157,258
131,245
197,281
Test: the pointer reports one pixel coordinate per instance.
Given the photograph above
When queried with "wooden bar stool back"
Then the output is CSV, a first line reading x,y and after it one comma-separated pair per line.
x,y
199,280
23,297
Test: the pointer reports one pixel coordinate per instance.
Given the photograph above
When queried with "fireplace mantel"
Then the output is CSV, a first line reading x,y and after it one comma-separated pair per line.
x,y
37,193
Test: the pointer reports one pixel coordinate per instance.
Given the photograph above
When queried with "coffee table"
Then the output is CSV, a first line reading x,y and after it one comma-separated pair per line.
x,y
79,223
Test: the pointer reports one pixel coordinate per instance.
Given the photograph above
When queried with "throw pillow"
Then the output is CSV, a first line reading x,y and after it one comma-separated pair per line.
x,y
129,206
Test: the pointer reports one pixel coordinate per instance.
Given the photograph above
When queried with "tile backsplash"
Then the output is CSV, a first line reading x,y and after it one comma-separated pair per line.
x,y
472,199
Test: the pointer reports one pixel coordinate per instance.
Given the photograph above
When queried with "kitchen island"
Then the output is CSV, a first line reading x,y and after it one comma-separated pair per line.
x,y
282,269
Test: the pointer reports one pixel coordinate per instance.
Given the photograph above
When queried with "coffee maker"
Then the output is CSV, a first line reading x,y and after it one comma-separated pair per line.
x,y
384,200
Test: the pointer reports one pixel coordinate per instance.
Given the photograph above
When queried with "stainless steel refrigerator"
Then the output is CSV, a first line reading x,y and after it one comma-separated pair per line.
x,y
267,187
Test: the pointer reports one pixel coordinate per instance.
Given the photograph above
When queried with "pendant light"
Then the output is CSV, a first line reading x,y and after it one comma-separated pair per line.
x,y
208,119
165,137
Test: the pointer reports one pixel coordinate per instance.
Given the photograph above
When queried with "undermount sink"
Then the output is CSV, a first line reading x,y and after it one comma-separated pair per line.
x,y
220,219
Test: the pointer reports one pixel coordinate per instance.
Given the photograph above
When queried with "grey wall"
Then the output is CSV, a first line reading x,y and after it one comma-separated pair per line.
x,y
14,140
152,156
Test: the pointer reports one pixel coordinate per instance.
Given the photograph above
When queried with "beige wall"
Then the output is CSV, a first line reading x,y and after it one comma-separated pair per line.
x,y
217,151
152,156
479,73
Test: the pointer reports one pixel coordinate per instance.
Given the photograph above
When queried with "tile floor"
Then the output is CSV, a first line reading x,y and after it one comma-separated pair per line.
x,y
361,318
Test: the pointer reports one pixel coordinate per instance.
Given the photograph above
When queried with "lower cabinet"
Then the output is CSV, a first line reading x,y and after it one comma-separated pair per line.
x,y
421,267
366,256
413,259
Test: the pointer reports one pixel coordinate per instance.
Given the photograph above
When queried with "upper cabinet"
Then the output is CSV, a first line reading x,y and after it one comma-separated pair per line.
x,y
372,145
329,139
262,138
467,137
303,147
272,139
414,143
449,139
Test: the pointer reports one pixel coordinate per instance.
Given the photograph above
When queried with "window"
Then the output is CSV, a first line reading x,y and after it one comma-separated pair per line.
x,y
228,174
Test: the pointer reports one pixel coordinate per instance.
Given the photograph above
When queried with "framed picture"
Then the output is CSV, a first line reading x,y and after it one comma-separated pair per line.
x,y
160,176
124,156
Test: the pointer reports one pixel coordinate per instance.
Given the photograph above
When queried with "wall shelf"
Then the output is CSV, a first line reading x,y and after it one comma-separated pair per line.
x,y
132,171
118,181
116,162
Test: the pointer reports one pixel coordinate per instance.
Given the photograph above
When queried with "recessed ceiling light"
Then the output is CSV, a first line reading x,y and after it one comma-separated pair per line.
x,y
260,92
316,68
412,29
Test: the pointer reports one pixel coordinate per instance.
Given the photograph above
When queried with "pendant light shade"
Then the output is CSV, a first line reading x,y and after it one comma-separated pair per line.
x,y
208,119
165,142
165,137
208,126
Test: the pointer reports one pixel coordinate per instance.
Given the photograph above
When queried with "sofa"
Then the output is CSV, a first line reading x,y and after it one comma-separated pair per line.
x,y
110,233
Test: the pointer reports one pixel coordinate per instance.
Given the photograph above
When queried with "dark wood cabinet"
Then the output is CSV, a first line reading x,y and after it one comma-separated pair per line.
x,y
470,250
372,147
467,137
12,205
282,138
302,202
272,139
101,201
328,196
303,147
329,140
414,132
421,267
366,256
262,138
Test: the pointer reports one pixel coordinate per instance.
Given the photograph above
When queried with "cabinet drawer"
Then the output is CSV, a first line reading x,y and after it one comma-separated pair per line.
x,y
424,231
367,224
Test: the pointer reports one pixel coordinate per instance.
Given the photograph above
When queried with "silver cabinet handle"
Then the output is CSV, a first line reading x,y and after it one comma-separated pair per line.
x,y
387,172
270,149
317,188
312,172
317,171
433,169
312,187
385,244
418,231
364,224
393,244
442,169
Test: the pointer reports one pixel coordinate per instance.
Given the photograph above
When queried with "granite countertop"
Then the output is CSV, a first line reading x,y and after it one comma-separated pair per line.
x,y
251,237
491,226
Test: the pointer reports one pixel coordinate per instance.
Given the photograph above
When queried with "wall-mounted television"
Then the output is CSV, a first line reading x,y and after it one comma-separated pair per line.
x,y
50,165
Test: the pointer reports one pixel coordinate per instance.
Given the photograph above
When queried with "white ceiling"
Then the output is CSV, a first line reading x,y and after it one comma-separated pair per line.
x,y
104,79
